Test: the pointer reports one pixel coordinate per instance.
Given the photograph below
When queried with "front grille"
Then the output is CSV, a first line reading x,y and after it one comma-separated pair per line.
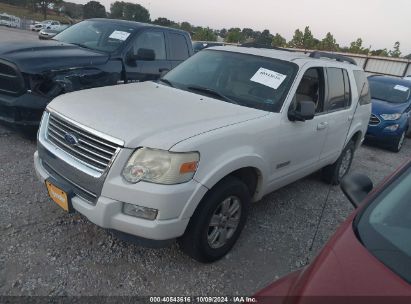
x,y
374,120
11,80
91,150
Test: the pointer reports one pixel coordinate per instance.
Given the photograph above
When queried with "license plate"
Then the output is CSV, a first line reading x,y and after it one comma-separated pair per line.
x,y
58,196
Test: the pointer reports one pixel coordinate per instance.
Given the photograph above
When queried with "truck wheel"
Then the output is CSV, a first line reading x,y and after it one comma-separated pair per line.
x,y
217,222
333,174
396,147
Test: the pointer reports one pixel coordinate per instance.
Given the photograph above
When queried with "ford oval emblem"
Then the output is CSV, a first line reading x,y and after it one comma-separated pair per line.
x,y
71,139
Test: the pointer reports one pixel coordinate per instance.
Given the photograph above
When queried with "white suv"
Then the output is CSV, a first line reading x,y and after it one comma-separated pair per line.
x,y
184,158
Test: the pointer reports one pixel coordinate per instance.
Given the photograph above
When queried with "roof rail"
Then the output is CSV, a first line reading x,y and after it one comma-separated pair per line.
x,y
337,57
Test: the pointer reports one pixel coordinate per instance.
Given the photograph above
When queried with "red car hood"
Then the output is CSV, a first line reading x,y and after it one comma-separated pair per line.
x,y
343,268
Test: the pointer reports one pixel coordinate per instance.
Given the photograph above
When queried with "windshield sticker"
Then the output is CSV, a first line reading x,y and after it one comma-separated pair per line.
x,y
268,78
119,35
401,88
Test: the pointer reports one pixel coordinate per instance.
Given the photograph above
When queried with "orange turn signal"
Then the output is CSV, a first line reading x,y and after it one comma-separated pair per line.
x,y
188,167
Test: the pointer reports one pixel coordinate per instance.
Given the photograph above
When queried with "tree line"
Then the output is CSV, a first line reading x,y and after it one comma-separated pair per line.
x,y
302,39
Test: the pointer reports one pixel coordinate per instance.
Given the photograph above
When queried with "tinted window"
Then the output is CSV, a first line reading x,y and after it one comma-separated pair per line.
x,y
311,88
178,47
336,89
151,40
385,226
251,81
389,91
362,87
347,89
97,35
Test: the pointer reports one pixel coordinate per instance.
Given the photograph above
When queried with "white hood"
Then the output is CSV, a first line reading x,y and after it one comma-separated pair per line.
x,y
149,114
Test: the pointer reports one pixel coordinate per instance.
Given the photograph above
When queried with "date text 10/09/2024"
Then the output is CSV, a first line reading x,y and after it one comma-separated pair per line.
x,y
203,299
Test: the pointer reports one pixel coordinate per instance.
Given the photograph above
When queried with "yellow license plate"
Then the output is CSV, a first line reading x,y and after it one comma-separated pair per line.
x,y
58,196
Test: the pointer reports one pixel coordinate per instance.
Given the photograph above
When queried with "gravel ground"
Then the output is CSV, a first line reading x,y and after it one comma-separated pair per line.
x,y
47,252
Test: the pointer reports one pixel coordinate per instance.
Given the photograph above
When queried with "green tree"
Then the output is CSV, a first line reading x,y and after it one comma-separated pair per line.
x,y
279,41
94,9
164,22
186,26
44,5
396,51
380,52
129,11
356,47
298,40
328,43
308,39
265,38
247,33
204,34
234,35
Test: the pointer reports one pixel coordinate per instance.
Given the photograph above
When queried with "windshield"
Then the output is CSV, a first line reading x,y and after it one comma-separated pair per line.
x,y
385,226
248,80
96,35
391,92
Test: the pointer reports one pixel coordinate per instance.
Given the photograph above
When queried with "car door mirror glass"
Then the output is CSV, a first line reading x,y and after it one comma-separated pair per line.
x,y
356,187
305,110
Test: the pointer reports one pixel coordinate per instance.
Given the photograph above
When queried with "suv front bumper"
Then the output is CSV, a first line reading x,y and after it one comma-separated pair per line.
x,y
174,203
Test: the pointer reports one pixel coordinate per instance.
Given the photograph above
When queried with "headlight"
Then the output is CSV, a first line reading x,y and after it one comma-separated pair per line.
x,y
160,167
391,116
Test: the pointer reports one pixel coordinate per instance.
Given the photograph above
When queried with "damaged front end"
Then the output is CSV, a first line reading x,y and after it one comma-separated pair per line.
x,y
23,97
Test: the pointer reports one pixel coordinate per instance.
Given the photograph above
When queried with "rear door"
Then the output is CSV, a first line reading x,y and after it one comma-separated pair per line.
x,y
179,48
140,69
340,112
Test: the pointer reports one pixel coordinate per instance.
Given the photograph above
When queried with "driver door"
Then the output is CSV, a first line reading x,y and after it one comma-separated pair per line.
x,y
147,69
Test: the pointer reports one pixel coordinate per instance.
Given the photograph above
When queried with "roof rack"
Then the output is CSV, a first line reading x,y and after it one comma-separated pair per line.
x,y
337,57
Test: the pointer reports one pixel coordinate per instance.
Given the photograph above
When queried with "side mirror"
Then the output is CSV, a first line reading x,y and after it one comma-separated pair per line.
x,y
356,187
305,111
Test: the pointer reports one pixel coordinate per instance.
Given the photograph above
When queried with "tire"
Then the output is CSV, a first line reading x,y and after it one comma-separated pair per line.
x,y
396,147
333,174
203,240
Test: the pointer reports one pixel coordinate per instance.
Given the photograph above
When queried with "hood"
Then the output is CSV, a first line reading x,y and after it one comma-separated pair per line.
x,y
41,56
384,107
149,114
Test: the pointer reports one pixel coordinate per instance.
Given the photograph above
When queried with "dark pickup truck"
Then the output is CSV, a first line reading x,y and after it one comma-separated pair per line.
x,y
92,53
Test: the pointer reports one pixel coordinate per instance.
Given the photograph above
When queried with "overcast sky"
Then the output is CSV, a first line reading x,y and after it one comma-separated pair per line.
x,y
378,22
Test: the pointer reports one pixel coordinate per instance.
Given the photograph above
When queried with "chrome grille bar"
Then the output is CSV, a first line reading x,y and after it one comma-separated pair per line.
x,y
90,149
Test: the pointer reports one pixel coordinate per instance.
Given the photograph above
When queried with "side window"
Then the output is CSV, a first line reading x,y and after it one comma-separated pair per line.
x,y
337,94
347,89
178,47
362,87
151,40
311,88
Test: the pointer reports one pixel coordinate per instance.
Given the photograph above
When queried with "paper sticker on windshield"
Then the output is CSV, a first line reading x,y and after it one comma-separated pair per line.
x,y
401,88
119,35
268,78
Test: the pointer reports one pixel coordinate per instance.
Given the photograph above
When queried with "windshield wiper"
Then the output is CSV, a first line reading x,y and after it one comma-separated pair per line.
x,y
81,45
167,82
211,92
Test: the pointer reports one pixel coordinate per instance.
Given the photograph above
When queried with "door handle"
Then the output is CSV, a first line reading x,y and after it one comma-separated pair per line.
x,y
322,125
163,70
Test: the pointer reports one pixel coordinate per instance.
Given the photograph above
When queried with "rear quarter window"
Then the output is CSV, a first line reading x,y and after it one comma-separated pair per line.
x,y
339,91
363,87
178,47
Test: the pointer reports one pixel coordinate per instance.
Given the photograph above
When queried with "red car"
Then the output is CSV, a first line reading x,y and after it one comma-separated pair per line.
x,y
369,255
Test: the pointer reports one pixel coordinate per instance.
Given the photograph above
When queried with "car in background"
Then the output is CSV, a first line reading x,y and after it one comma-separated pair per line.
x,y
369,255
91,53
391,106
36,27
45,34
9,20
201,45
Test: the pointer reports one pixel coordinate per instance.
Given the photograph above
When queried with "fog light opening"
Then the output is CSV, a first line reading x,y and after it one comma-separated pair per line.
x,y
140,212
392,128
